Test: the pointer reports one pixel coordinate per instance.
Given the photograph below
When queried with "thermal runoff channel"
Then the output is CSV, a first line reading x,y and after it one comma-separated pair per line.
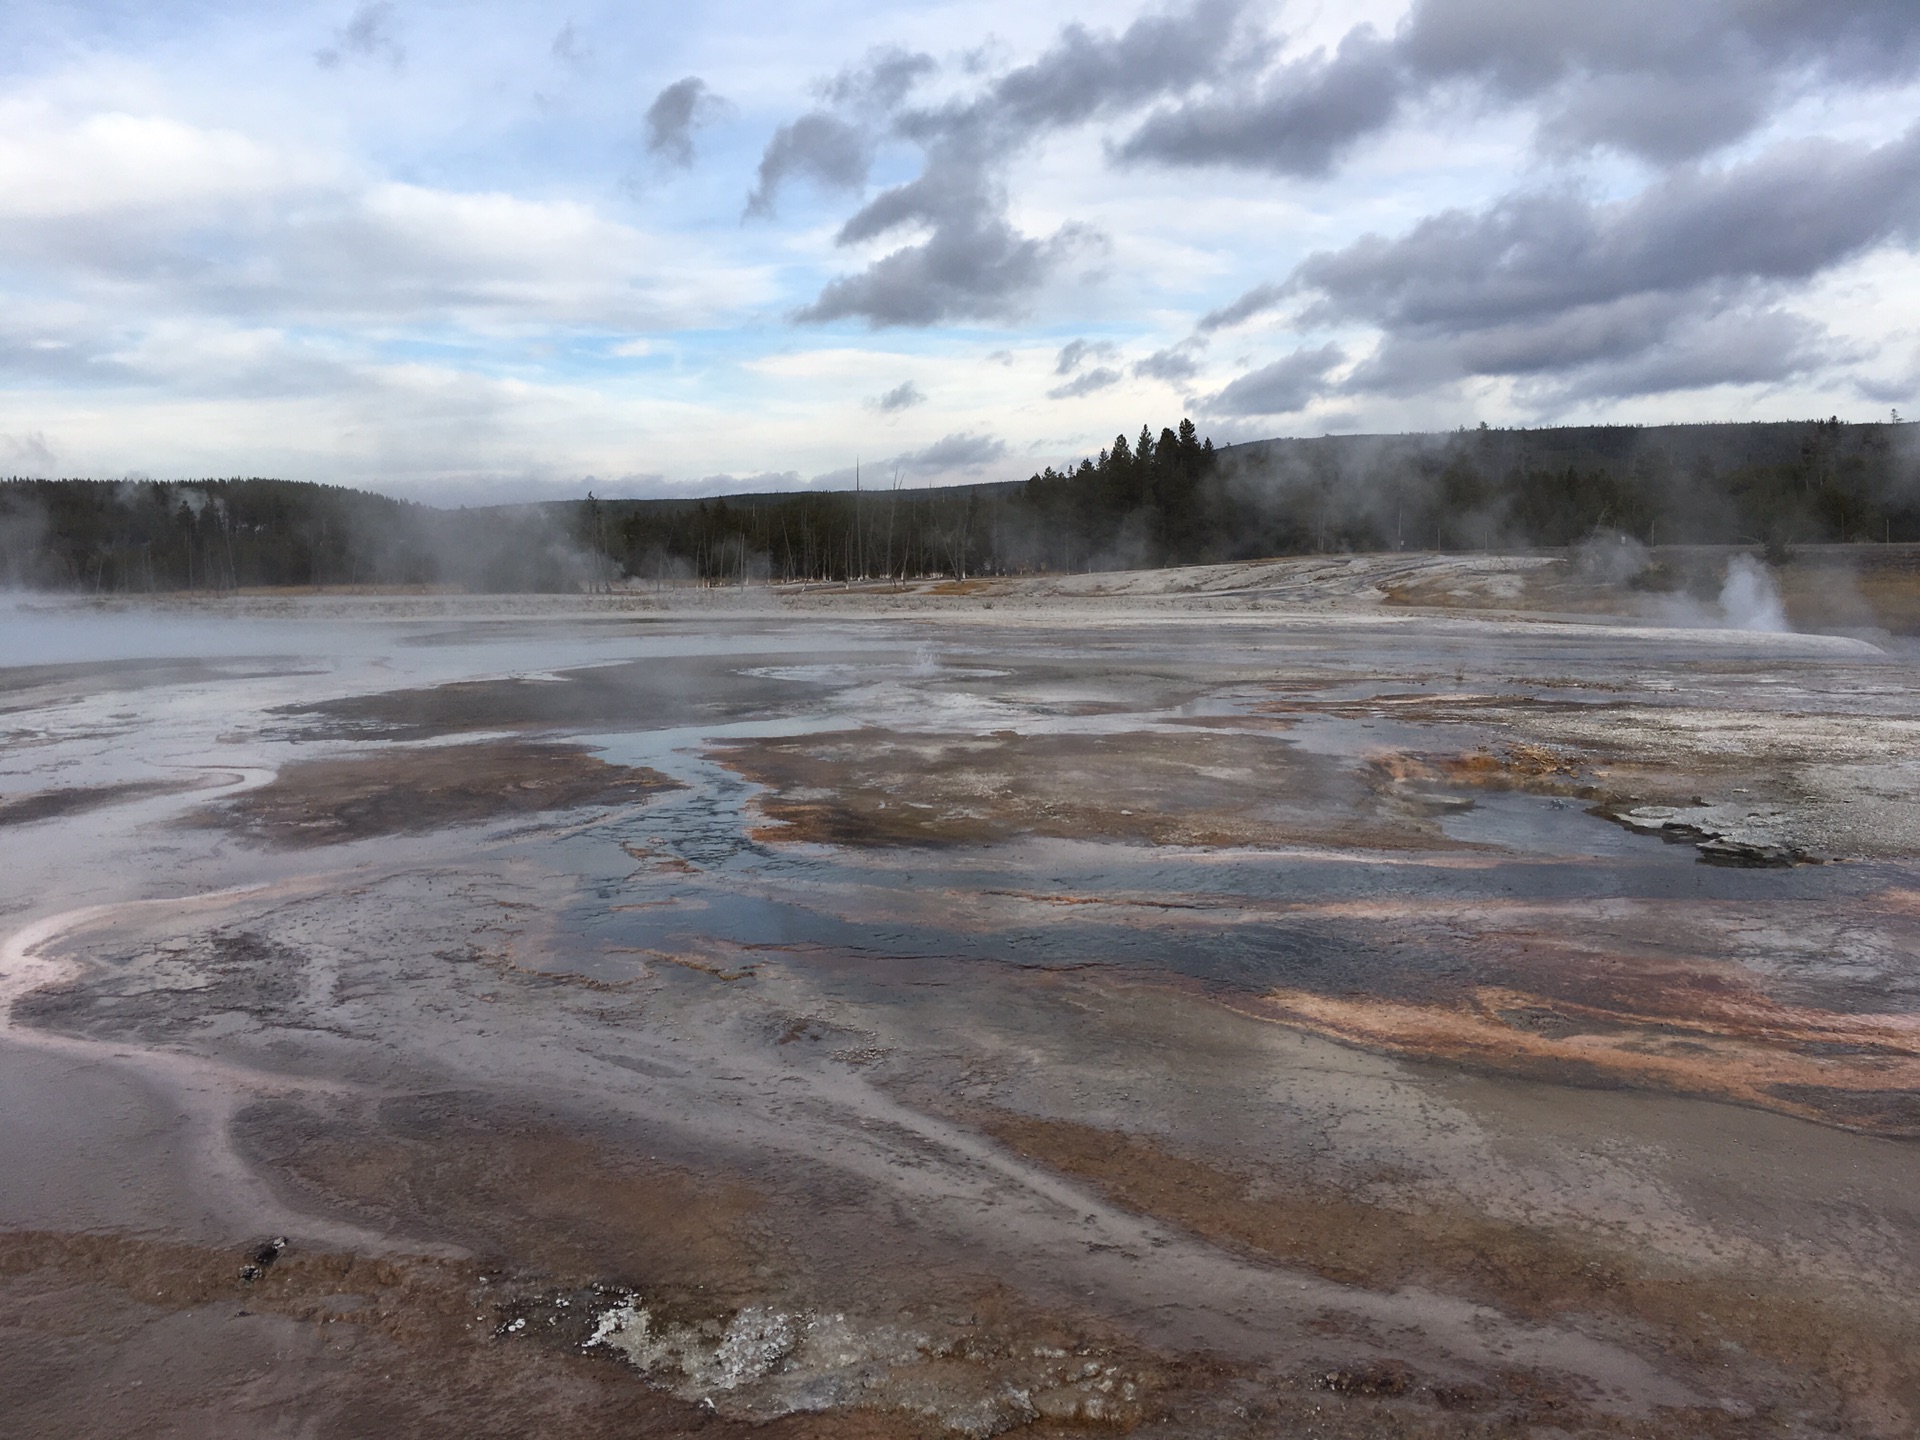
x,y
1415,994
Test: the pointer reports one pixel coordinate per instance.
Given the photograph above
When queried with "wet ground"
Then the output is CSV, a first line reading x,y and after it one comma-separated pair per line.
x,y
956,1015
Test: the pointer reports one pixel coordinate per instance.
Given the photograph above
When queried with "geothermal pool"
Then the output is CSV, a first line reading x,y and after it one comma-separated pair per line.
x,y
962,1017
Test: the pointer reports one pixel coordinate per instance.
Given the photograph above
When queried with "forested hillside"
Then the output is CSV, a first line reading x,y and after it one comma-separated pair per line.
x,y
1171,499
137,537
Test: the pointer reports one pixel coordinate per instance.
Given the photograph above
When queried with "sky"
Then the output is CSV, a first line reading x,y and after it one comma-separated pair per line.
x,y
495,251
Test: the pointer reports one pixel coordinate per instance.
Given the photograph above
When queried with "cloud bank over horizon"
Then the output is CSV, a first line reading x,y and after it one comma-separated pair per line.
x,y
491,251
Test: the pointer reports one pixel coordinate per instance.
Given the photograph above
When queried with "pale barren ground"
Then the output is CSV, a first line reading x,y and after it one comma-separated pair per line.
x,y
1373,996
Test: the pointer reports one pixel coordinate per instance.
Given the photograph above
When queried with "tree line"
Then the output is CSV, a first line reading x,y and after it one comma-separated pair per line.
x,y
1765,484
1153,500
1136,504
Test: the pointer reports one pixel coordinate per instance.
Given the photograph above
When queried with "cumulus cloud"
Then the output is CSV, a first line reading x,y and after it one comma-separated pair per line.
x,y
974,264
903,396
1298,123
834,146
962,450
676,112
1285,387
1084,75
1175,364
1666,82
819,147
254,289
1734,347
1786,214
1085,384
879,83
971,268
1660,81
1546,282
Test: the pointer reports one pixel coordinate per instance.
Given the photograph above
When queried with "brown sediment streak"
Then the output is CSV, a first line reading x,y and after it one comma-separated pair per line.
x,y
1907,902
333,1342
1611,993
1425,915
1860,1351
500,1180
1207,789
78,799
1861,1072
413,790
1518,764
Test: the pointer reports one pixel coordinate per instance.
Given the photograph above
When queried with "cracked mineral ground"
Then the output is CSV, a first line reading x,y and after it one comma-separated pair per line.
x,y
1328,998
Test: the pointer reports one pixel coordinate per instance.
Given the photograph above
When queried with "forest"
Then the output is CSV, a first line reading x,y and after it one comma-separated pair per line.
x,y
1149,501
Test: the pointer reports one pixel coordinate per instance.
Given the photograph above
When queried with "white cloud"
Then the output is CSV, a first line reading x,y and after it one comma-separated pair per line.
x,y
58,166
219,257
175,220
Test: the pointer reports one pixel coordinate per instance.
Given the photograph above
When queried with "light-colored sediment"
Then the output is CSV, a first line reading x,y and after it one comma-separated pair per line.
x,y
977,1118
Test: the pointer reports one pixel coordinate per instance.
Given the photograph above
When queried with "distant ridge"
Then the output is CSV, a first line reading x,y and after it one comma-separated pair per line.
x,y
1171,499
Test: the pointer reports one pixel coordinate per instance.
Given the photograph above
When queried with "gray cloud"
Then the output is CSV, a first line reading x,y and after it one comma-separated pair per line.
x,y
1075,353
1666,82
820,147
830,149
903,396
881,82
1255,302
1637,345
977,271
975,265
1898,389
1299,123
1662,81
963,451
675,114
959,451
1543,283
1085,75
1086,384
368,35
1741,347
1662,118
1175,364
1287,385
955,189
